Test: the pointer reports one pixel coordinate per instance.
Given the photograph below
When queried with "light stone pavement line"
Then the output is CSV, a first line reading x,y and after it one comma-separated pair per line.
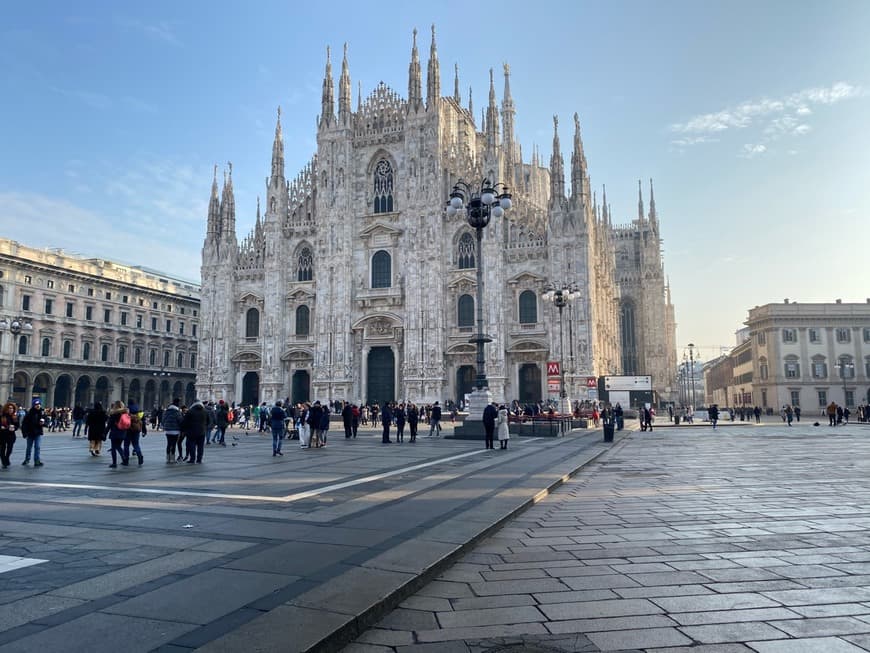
x,y
290,498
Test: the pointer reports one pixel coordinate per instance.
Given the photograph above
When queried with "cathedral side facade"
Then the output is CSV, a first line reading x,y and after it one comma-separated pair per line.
x,y
355,283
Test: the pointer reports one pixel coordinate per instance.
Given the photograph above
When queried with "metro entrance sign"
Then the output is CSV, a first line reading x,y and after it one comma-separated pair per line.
x,y
553,386
553,369
591,382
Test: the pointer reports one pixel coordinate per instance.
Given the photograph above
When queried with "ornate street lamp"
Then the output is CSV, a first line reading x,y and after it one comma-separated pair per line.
x,y
692,371
561,295
15,327
480,204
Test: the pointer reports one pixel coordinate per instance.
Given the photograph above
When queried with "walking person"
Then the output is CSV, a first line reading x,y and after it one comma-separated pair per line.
x,y
78,415
222,420
400,423
347,420
8,426
172,428
435,421
277,416
193,425
315,412
713,414
303,425
354,420
119,423
137,429
323,431
96,428
211,421
490,414
31,429
789,414
502,424
413,420
386,421
757,412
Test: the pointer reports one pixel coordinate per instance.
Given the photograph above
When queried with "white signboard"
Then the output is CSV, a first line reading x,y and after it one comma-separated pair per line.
x,y
612,383
620,397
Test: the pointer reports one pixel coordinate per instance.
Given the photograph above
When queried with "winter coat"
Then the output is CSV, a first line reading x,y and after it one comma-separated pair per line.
x,y
31,425
222,416
97,425
324,420
172,419
277,417
194,421
116,433
502,424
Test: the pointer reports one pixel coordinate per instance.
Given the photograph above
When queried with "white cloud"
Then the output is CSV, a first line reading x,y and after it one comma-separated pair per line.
x,y
751,150
777,117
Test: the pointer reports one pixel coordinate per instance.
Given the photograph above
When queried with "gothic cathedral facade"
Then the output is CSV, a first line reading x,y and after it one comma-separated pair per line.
x,y
355,283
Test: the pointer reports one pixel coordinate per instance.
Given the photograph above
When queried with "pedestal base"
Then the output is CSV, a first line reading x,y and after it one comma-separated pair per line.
x,y
472,427
566,407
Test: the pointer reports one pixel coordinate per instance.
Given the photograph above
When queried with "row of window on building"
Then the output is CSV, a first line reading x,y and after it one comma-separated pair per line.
x,y
105,353
845,367
107,295
814,335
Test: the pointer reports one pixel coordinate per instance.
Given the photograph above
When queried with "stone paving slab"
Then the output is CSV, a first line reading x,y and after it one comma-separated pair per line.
x,y
753,539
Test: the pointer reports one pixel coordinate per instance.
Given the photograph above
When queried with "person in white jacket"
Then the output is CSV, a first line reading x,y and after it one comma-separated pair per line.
x,y
501,424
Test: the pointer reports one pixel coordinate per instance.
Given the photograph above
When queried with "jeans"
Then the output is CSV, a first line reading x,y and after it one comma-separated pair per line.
x,y
34,444
221,432
208,433
118,449
435,427
132,439
171,441
386,435
77,427
277,437
195,445
7,439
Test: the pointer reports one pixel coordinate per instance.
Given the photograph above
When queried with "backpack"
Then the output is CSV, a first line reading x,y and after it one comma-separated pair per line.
x,y
124,421
135,423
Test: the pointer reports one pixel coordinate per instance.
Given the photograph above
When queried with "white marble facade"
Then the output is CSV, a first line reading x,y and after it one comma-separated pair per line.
x,y
355,284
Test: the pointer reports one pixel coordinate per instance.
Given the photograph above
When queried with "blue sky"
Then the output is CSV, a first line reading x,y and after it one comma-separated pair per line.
x,y
752,117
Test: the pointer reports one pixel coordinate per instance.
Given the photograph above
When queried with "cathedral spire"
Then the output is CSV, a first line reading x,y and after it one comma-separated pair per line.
x,y
278,151
604,208
507,114
639,202
653,218
470,104
344,91
359,97
228,206
456,96
557,166
433,77
492,116
327,103
214,209
578,163
415,78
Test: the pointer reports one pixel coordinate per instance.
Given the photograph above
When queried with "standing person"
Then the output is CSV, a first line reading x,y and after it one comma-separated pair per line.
x,y
314,414
435,420
222,420
757,412
832,414
490,414
713,414
347,420
119,423
8,426
323,431
31,428
386,421
789,414
502,424
78,415
646,418
96,428
401,418
303,425
137,428
618,417
797,413
172,428
413,420
277,416
354,420
193,425
211,421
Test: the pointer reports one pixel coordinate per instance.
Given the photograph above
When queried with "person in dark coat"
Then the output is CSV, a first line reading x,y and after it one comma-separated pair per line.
x,y
413,420
490,414
276,421
117,433
354,419
399,414
8,426
96,427
347,420
324,424
193,425
315,412
31,429
386,421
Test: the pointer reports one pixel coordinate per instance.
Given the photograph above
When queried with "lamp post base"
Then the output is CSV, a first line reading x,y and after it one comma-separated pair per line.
x,y
566,407
479,399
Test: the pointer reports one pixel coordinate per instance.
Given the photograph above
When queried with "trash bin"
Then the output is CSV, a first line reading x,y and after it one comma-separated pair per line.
x,y
677,420
608,432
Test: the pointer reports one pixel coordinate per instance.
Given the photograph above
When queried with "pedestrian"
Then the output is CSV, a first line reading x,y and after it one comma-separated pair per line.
x,y
789,415
503,427
413,420
314,415
354,420
757,412
136,430
78,415
303,424
401,418
96,429
832,414
172,428
31,429
490,414
323,431
222,421
435,421
713,414
8,425
347,420
194,425
386,421
119,423
277,416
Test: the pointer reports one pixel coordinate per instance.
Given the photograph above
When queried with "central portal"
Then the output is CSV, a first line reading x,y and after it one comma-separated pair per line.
x,y
381,377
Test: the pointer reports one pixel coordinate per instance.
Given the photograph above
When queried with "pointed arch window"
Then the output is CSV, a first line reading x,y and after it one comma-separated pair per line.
x,y
252,323
528,307
465,311
466,251
303,321
383,187
382,270
305,265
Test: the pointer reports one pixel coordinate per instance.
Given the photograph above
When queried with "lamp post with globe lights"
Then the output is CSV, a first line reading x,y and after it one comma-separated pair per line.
x,y
561,296
15,327
480,204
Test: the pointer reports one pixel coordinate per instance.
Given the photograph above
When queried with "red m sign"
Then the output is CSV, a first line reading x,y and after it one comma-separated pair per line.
x,y
553,368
